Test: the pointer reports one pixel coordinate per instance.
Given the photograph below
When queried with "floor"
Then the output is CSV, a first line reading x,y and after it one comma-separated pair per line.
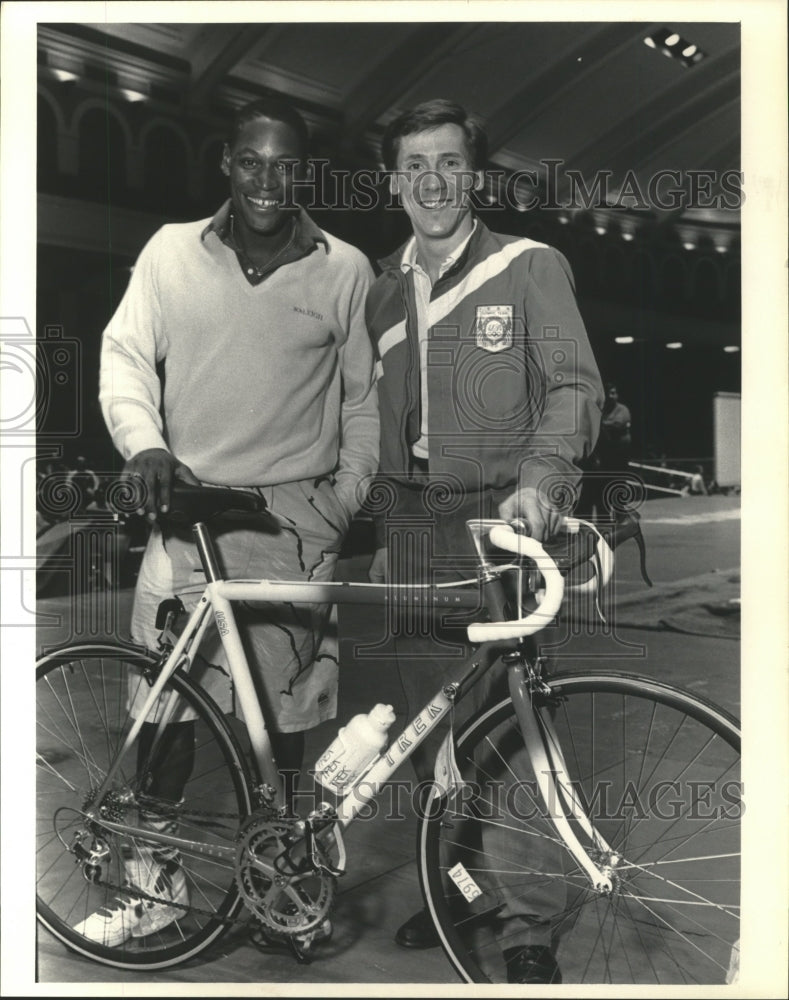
x,y
690,542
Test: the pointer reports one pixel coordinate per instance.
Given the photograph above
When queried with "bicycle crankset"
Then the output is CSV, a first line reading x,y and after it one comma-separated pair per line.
x,y
290,898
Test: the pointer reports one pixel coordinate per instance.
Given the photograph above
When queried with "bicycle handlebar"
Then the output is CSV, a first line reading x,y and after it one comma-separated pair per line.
x,y
504,537
551,563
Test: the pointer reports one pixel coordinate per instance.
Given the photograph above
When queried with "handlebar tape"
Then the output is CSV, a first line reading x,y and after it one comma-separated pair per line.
x,y
504,537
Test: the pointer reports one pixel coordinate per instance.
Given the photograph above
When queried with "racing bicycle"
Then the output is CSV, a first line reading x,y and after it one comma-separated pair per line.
x,y
630,785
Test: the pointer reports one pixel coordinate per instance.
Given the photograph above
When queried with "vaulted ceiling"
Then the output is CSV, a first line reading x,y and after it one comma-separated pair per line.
x,y
630,149
564,102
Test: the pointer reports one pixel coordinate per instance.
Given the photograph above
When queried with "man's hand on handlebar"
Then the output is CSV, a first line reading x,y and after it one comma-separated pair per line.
x,y
542,521
157,468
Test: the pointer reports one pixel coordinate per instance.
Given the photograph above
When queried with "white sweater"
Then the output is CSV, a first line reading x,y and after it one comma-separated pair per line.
x,y
263,384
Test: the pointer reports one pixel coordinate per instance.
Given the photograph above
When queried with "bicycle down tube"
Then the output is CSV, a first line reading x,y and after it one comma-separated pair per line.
x,y
434,711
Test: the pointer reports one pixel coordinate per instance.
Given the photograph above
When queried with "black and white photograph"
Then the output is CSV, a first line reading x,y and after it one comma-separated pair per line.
x,y
394,468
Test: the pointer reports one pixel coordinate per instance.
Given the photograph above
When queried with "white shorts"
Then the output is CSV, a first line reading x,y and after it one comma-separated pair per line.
x,y
292,649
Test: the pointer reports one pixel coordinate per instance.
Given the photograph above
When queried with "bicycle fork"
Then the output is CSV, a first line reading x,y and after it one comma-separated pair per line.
x,y
551,774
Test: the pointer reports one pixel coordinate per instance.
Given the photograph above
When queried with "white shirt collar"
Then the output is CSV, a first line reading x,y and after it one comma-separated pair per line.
x,y
409,261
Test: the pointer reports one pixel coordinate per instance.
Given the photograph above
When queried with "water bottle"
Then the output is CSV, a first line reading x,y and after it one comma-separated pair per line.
x,y
356,746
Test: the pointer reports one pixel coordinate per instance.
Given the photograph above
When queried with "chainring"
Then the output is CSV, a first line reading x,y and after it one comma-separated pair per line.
x,y
288,903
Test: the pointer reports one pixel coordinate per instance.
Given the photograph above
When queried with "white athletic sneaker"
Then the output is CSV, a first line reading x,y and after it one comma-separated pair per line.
x,y
132,915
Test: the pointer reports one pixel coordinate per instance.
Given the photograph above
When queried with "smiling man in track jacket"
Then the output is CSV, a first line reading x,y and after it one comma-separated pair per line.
x,y
489,397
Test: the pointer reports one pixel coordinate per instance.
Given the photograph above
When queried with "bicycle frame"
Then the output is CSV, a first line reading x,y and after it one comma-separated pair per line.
x,y
216,603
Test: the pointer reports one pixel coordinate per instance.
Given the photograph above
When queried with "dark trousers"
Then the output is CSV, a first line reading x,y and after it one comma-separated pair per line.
x,y
428,541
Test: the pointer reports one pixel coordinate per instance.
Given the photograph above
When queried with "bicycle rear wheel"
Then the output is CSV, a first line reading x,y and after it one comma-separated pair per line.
x,y
82,695
658,772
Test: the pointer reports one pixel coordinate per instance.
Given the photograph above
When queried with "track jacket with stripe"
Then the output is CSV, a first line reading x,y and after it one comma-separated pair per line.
x,y
514,393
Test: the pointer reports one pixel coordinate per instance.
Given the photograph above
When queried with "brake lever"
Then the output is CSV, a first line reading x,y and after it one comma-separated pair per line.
x,y
629,527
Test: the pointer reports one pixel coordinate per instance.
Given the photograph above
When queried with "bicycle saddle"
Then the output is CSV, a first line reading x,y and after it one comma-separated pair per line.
x,y
191,504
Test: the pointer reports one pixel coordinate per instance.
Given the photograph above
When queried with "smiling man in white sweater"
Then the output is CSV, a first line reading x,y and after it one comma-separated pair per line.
x,y
256,318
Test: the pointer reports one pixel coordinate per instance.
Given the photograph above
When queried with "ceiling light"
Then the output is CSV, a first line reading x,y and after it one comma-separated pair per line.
x,y
689,245
731,349
721,248
628,236
674,345
133,95
624,340
673,45
562,219
64,75
600,230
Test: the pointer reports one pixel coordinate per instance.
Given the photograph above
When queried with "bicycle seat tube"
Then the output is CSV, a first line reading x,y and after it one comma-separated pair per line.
x,y
207,552
236,656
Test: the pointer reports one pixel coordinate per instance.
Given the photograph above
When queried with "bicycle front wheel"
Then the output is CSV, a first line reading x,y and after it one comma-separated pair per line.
x,y
110,893
656,771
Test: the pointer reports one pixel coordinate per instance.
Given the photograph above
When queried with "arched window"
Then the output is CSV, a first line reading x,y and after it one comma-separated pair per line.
x,y
47,147
674,280
214,186
613,266
707,284
643,283
585,262
732,291
102,156
165,171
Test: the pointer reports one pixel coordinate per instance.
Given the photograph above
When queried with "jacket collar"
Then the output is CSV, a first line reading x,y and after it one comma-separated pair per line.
x,y
479,237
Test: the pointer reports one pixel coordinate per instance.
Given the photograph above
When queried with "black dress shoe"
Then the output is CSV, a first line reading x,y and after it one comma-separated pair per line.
x,y
418,932
532,963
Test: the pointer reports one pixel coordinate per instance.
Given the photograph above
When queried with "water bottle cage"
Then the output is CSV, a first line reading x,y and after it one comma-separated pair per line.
x,y
317,821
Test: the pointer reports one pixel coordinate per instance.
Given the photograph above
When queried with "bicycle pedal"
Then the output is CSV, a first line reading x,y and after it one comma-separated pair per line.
x,y
321,933
303,944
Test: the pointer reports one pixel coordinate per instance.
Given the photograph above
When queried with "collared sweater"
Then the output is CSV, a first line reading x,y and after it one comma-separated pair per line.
x,y
514,391
263,383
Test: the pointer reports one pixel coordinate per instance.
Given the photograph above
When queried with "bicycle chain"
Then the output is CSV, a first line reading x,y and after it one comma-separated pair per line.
x,y
188,907
141,894
166,810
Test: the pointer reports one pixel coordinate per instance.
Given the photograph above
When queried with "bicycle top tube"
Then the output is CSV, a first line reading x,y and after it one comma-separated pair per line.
x,y
192,503
408,596
438,596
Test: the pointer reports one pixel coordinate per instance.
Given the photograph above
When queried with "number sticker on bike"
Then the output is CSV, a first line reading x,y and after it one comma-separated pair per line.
x,y
465,882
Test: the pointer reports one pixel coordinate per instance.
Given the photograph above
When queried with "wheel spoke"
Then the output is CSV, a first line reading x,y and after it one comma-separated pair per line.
x,y
624,744
676,930
82,722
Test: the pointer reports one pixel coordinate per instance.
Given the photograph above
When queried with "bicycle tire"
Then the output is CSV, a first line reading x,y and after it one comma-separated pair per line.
x,y
659,770
82,696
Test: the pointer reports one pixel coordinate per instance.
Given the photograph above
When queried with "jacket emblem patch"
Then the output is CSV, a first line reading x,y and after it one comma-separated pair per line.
x,y
494,327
